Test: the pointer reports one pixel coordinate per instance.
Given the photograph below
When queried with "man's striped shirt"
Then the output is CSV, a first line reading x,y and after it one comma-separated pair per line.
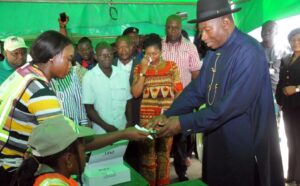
x,y
69,92
185,55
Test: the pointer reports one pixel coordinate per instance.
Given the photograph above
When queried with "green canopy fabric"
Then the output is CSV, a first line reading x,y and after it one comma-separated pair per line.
x,y
100,20
256,12
94,20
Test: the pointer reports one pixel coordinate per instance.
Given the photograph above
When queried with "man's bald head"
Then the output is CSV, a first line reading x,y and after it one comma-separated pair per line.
x,y
174,17
173,28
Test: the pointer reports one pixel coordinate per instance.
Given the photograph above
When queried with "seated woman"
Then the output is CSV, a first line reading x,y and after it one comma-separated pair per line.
x,y
158,82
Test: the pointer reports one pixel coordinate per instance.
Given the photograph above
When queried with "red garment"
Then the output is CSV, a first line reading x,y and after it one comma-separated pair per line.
x,y
160,89
85,63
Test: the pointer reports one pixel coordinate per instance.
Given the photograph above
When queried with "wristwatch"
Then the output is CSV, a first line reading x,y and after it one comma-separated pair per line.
x,y
142,74
297,88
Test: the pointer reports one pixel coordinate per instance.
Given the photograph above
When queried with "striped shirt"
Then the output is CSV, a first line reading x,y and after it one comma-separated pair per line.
x,y
69,91
185,55
36,104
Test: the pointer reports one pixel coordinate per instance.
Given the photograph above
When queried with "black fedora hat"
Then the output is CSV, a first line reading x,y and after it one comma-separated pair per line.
x,y
210,9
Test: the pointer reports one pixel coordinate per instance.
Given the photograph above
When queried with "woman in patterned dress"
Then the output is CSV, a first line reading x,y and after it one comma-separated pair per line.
x,y
159,84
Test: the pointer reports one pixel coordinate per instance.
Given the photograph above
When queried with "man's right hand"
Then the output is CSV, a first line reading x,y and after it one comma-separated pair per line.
x,y
157,122
145,62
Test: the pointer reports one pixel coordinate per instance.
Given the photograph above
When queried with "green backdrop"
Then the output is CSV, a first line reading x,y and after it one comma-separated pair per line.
x,y
92,17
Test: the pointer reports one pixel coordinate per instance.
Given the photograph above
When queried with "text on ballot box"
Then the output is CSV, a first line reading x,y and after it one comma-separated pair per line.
x,y
106,166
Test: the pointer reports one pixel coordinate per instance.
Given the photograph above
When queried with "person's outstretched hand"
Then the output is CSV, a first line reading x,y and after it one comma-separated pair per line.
x,y
134,134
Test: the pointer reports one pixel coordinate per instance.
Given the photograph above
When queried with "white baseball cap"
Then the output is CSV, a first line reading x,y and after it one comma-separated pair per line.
x,y
13,42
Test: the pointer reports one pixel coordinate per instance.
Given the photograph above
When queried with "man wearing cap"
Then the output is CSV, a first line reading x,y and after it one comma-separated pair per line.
x,y
133,34
15,52
241,145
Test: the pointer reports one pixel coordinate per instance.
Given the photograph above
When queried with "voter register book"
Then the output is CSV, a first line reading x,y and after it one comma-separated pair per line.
x,y
106,166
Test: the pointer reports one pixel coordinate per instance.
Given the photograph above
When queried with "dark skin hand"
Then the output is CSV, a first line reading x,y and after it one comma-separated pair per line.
x,y
165,127
63,25
129,113
102,140
94,116
289,90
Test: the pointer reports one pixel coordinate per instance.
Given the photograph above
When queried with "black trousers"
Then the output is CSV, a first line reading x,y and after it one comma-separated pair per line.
x,y
292,131
182,147
131,155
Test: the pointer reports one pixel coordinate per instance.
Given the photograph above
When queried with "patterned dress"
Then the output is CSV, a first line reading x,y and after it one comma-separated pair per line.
x,y
160,88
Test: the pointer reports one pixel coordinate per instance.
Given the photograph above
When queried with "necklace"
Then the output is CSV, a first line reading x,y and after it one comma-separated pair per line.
x,y
211,86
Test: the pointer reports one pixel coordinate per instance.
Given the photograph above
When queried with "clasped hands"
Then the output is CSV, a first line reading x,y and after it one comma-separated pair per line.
x,y
289,90
164,126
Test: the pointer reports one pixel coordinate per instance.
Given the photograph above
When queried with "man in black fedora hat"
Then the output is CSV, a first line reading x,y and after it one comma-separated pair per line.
x,y
241,145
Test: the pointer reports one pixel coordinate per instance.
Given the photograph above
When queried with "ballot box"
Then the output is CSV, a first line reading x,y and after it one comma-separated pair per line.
x,y
106,166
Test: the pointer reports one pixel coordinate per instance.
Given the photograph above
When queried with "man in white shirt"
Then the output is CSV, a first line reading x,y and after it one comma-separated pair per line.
x,y
106,93
126,61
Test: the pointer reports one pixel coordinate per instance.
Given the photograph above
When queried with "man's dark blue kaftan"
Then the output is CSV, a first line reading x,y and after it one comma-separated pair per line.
x,y
240,134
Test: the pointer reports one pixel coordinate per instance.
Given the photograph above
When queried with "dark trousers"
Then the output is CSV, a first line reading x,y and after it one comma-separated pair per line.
x,y
183,146
131,155
292,131
6,176
180,154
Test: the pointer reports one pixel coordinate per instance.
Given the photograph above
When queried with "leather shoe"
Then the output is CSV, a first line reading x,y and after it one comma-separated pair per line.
x,y
183,178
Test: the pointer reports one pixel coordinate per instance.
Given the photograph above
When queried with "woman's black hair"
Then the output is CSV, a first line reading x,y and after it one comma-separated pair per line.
x,y
25,173
152,40
48,45
293,33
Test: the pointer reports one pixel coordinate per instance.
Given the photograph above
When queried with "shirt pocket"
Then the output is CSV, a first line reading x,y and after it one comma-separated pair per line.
x,y
119,101
118,93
